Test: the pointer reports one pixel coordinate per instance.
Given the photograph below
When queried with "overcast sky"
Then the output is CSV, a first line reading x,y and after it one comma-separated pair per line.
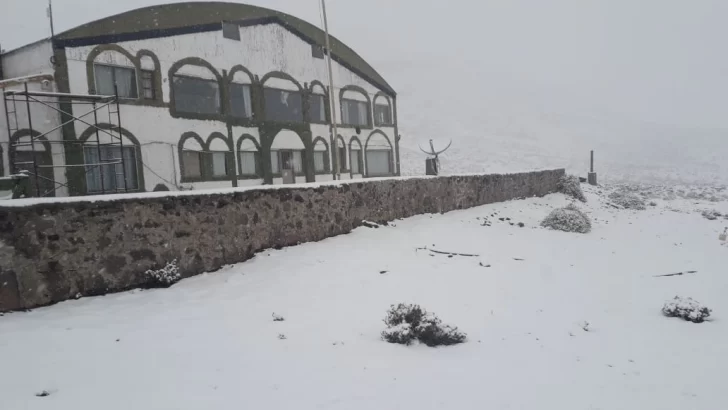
x,y
652,61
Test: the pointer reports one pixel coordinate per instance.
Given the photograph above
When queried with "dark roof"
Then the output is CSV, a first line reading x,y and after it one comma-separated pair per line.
x,y
189,17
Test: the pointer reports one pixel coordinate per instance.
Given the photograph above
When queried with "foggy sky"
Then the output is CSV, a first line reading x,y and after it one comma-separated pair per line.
x,y
650,61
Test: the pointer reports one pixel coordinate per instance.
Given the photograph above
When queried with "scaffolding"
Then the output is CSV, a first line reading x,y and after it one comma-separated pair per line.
x,y
43,184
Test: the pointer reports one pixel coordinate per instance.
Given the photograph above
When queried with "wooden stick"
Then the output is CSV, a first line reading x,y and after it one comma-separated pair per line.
x,y
448,253
675,274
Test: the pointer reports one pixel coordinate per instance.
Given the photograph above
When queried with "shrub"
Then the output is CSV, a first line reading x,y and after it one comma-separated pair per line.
x,y
570,185
711,214
568,219
686,308
165,277
627,200
407,323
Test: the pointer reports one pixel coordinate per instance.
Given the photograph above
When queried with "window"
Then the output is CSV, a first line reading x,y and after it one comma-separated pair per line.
x,y
281,160
379,163
317,51
192,164
282,105
221,166
148,85
354,112
355,161
342,158
318,108
319,161
196,95
248,163
240,101
383,114
231,31
110,176
106,76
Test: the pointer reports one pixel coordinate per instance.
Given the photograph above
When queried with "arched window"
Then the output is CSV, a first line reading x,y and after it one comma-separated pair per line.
x,y
382,110
355,159
192,149
112,68
110,167
378,155
320,155
318,104
249,157
27,155
148,87
283,99
341,146
219,157
355,107
286,153
196,88
240,95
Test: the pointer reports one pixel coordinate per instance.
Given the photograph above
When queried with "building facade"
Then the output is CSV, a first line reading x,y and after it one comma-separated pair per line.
x,y
211,95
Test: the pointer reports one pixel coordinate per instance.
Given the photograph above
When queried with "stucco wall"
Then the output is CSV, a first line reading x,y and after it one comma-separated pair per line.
x,y
53,251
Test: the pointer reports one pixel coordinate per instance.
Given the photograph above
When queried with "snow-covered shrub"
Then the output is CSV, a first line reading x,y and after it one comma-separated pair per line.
x,y
686,308
570,185
711,214
407,323
627,200
165,277
568,219
278,318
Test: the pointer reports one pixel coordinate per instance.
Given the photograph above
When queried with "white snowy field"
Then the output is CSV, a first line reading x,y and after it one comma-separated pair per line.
x,y
210,342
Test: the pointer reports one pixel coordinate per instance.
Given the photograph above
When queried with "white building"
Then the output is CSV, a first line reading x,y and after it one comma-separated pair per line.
x,y
211,95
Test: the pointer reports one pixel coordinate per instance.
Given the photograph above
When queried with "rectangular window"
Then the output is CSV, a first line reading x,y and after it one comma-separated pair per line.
x,y
286,159
342,158
355,160
275,165
354,113
231,31
110,175
319,161
317,51
248,163
191,164
196,95
379,163
148,84
282,105
383,114
240,105
220,164
107,76
318,108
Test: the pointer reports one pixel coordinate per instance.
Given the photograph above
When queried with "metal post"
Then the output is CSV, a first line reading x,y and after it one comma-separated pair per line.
x,y
592,176
32,142
121,138
591,167
98,149
332,106
50,16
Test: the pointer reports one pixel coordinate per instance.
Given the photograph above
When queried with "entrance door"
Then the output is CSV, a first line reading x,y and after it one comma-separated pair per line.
x,y
288,171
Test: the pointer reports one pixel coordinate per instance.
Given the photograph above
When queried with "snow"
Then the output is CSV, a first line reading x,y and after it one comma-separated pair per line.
x,y
558,321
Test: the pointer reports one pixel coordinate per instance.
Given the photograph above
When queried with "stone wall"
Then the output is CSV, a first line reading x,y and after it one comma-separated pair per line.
x,y
55,251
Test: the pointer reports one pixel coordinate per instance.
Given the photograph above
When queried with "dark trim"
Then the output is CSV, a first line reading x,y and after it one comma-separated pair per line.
x,y
157,101
362,91
327,155
258,170
196,61
336,143
60,42
397,137
181,148
90,131
327,104
268,133
281,76
47,156
392,160
206,170
2,159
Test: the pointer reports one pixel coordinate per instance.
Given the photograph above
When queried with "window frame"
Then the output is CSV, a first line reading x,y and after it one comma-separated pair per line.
x,y
265,107
152,86
368,113
107,190
324,100
278,152
233,113
177,110
388,106
115,67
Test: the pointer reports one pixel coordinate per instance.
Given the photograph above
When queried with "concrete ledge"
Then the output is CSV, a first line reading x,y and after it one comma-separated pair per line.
x,y
55,250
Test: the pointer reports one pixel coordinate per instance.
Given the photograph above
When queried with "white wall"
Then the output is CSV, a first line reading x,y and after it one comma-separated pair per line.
x,y
31,59
262,49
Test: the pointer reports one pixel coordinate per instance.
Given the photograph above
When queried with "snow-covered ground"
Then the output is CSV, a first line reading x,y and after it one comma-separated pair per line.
x,y
557,321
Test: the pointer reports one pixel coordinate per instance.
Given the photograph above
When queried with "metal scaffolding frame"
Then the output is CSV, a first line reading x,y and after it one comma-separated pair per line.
x,y
97,103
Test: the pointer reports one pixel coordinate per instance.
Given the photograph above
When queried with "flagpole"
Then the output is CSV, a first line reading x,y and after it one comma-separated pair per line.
x,y
332,105
50,16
